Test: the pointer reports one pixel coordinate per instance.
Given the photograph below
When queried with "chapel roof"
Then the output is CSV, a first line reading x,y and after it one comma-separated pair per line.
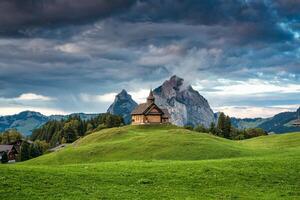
x,y
140,109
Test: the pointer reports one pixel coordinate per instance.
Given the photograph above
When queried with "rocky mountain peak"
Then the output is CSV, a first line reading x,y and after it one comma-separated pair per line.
x,y
185,104
174,82
123,105
123,95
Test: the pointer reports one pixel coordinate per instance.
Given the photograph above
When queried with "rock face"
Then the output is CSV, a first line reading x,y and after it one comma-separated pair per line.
x,y
123,105
185,105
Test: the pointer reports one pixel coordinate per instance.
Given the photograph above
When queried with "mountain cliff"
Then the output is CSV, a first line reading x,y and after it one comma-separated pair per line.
x,y
123,105
185,105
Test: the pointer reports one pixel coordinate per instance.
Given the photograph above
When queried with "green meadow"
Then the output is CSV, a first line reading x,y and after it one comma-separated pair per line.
x,y
160,162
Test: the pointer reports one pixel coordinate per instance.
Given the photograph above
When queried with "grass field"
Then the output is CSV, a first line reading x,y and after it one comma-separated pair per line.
x,y
160,162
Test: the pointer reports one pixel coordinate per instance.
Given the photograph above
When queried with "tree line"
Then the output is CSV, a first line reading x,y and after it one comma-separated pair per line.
x,y
68,130
10,136
224,129
33,150
56,132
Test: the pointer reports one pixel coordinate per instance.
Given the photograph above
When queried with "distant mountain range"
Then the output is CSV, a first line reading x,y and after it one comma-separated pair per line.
x,y
25,122
185,105
280,123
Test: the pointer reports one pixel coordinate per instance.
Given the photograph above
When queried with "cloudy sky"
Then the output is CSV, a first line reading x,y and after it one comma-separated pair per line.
x,y
64,56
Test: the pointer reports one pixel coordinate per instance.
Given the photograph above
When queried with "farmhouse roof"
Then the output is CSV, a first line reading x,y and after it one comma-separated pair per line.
x,y
5,148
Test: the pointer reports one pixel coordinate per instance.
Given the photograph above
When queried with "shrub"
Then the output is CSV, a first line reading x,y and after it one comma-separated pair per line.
x,y
144,181
200,128
189,127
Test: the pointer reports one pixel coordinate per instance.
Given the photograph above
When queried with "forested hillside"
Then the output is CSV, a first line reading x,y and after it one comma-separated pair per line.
x,y
57,132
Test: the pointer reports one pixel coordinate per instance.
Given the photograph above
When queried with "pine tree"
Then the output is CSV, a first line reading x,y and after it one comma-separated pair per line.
x,y
212,128
34,152
25,151
4,158
109,121
227,127
221,124
200,128
89,127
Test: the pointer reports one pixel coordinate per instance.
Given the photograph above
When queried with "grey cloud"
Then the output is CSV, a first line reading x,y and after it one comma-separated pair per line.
x,y
289,9
136,45
17,15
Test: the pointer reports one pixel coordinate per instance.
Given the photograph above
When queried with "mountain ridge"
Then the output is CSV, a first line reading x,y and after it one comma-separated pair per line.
x,y
279,123
26,121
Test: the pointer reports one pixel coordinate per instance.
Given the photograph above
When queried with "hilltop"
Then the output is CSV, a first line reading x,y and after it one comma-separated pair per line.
x,y
161,142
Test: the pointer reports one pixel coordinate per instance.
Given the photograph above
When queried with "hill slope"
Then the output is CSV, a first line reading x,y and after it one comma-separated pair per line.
x,y
240,178
160,143
173,163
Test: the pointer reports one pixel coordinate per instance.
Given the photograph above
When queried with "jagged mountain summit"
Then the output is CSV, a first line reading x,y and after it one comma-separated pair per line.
x,y
185,105
123,105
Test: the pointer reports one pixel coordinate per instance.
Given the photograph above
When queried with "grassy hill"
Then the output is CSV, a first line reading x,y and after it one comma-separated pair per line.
x,y
162,143
166,162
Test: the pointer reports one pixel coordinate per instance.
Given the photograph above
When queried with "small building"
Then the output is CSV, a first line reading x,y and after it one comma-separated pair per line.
x,y
11,152
297,121
18,143
149,113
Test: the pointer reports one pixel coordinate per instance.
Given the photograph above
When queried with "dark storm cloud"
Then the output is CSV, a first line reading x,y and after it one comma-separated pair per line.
x,y
253,19
64,48
289,9
206,12
16,15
